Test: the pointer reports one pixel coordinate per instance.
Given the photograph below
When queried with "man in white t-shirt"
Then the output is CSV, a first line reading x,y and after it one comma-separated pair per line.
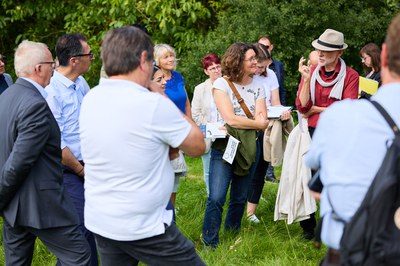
x,y
126,131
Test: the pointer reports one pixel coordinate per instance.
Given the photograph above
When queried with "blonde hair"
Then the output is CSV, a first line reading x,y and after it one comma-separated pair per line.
x,y
27,56
162,49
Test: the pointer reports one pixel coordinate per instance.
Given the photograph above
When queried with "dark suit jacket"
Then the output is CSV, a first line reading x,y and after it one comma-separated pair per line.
x,y
8,79
31,183
277,67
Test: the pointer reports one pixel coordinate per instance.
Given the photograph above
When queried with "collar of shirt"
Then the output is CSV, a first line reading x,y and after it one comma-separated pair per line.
x,y
121,82
64,80
37,86
331,77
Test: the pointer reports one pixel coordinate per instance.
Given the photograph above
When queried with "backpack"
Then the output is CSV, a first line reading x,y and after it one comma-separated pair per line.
x,y
372,236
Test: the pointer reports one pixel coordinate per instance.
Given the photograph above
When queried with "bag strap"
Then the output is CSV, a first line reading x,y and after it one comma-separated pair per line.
x,y
387,117
239,98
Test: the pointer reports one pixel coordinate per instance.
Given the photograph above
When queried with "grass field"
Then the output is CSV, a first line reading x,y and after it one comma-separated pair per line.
x,y
267,243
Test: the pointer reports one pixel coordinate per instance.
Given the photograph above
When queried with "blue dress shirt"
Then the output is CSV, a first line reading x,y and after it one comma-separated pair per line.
x,y
348,146
64,99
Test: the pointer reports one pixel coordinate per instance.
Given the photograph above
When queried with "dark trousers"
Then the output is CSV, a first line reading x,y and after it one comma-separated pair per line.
x,y
171,248
309,224
332,258
66,243
258,175
74,185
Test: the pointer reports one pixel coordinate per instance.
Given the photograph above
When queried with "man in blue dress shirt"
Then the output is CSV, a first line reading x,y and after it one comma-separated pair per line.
x,y
65,93
349,145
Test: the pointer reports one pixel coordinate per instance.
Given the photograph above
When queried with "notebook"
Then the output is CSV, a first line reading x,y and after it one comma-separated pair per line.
x,y
369,86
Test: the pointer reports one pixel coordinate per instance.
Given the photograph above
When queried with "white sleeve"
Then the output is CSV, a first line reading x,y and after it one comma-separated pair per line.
x,y
273,79
168,124
221,84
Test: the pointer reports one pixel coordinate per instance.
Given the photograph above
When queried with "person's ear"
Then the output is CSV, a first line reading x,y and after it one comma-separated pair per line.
x,y
384,56
143,59
38,68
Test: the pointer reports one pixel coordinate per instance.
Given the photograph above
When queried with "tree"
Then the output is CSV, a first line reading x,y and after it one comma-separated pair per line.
x,y
292,25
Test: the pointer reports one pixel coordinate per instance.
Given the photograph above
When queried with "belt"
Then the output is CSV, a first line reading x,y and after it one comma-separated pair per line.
x,y
333,256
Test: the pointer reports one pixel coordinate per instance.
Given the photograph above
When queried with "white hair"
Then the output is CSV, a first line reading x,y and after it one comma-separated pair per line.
x,y
27,56
162,49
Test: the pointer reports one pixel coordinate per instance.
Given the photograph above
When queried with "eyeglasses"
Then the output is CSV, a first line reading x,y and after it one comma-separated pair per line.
x,y
90,54
52,63
251,59
214,69
2,59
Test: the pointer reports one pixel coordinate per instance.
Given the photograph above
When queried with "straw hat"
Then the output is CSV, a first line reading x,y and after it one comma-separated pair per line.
x,y
330,40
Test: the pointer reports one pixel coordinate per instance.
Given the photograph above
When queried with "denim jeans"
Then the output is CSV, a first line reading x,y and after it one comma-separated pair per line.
x,y
206,170
221,176
258,175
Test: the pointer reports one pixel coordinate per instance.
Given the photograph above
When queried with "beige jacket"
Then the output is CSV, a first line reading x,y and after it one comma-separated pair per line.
x,y
294,201
275,140
201,103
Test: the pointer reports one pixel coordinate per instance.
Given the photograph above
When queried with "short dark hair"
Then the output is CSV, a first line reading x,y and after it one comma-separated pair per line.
x,y
69,45
232,62
210,59
122,49
266,37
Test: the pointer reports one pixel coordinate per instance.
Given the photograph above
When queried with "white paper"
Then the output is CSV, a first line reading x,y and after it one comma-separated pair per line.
x,y
231,149
276,111
213,132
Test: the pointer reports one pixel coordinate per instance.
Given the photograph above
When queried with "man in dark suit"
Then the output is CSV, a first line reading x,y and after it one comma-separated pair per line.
x,y
5,79
33,201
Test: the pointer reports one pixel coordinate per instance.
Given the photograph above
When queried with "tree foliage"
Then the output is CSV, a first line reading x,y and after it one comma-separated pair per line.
x,y
292,25
197,27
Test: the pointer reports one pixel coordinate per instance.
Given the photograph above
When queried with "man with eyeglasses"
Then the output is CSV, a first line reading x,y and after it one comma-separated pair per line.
x,y
33,200
322,85
5,79
64,95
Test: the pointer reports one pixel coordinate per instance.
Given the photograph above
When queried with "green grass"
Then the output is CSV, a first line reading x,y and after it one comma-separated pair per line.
x,y
267,243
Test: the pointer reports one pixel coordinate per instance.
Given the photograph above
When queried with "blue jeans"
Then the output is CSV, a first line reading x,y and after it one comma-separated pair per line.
x,y
206,169
258,175
221,176
75,187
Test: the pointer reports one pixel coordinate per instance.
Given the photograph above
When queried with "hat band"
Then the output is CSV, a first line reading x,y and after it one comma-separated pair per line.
x,y
330,45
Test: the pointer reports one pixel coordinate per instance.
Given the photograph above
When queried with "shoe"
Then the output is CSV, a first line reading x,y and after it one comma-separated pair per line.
x,y
271,179
308,235
253,218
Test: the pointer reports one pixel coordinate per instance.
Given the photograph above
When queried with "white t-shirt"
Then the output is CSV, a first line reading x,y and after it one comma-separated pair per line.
x,y
125,135
270,83
250,94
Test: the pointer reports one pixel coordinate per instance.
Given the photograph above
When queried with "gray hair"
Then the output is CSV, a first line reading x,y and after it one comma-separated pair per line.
x,y
162,49
122,49
27,56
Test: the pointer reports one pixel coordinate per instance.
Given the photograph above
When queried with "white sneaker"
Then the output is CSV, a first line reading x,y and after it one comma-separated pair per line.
x,y
253,218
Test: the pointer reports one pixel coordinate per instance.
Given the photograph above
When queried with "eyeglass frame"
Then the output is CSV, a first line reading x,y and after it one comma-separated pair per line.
x,y
90,54
215,68
53,63
3,59
251,59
